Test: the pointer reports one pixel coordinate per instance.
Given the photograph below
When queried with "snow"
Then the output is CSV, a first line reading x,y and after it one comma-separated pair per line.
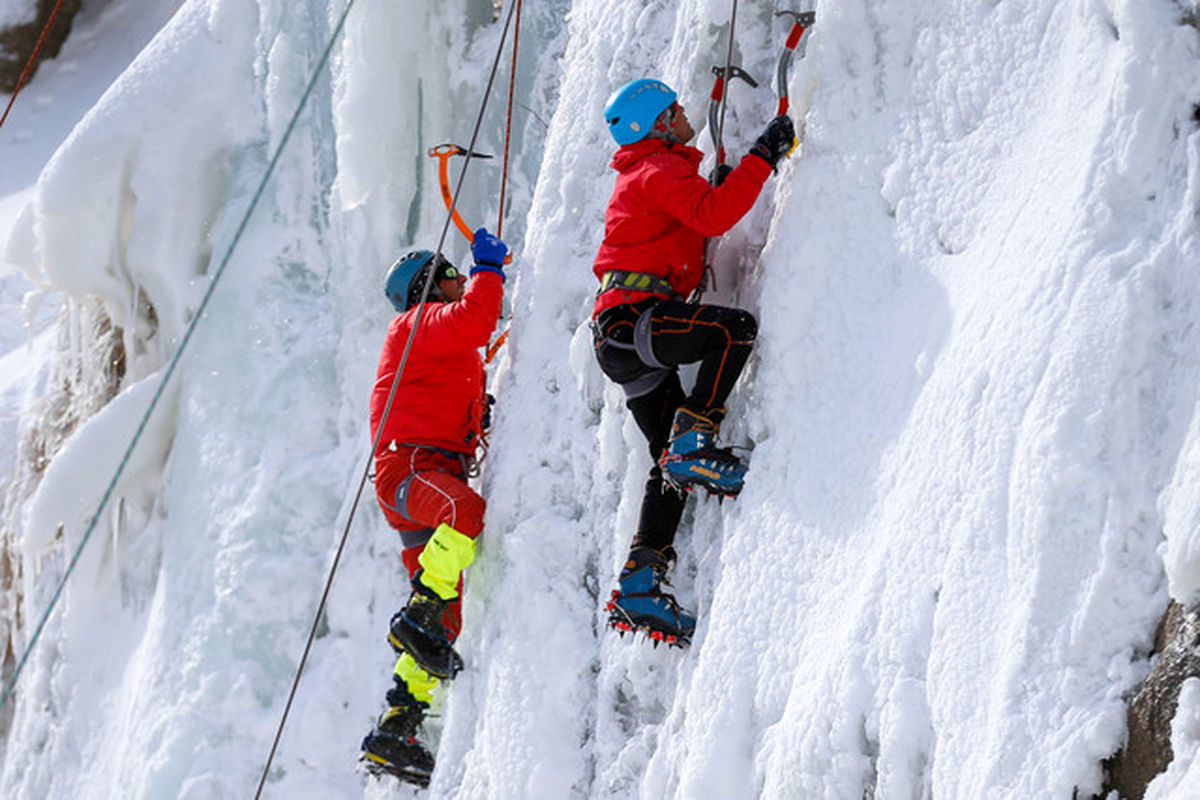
x,y
972,407
15,12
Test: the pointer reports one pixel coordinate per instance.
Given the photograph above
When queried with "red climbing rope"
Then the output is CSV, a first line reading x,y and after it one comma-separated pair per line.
x,y
512,84
32,60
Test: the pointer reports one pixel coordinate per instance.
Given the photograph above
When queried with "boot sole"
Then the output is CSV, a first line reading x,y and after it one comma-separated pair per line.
x,y
378,767
686,483
653,634
622,623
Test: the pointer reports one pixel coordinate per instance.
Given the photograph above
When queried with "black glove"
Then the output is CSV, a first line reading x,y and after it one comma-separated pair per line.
x,y
776,141
719,174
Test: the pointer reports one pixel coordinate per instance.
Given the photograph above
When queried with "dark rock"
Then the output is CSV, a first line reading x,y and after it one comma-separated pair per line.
x,y
1147,752
18,42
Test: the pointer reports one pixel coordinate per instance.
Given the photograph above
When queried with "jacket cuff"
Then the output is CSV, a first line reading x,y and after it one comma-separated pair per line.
x,y
487,268
762,168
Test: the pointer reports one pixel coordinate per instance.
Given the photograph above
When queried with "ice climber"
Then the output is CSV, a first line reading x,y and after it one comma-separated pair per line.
x,y
651,259
426,453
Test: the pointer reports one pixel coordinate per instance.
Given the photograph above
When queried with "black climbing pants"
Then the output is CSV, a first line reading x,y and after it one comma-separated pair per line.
x,y
641,346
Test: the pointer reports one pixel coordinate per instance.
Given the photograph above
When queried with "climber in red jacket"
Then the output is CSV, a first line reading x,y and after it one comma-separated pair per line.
x,y
651,260
431,428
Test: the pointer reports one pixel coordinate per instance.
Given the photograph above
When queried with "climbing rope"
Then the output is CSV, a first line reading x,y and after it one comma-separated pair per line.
x,y
175,358
387,406
25,76
493,349
512,85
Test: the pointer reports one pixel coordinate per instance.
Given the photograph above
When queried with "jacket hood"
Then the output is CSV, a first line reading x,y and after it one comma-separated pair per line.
x,y
626,157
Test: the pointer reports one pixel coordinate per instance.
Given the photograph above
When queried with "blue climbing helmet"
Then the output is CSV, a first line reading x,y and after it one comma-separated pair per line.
x,y
632,109
406,278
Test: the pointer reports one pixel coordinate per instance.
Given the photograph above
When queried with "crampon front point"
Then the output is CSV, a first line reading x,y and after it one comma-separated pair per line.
x,y
622,623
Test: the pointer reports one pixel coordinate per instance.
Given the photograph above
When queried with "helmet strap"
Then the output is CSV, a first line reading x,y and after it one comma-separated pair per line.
x,y
664,128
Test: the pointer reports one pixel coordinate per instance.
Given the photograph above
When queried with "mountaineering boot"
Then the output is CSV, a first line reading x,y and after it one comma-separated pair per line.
x,y
419,628
691,459
393,747
640,605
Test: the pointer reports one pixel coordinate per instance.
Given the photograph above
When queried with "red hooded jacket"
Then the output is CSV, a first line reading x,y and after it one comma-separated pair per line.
x,y
441,397
662,210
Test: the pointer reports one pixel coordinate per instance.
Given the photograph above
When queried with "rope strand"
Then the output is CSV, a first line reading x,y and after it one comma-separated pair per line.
x,y
25,73
728,77
172,364
512,85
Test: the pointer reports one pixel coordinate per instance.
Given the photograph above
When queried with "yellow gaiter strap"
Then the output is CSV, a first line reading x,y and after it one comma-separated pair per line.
x,y
419,682
446,555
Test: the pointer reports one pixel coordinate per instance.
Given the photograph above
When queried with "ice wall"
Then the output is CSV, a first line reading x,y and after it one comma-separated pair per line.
x,y
971,408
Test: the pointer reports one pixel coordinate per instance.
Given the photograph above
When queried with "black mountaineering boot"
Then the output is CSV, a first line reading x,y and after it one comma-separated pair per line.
x,y
417,629
392,747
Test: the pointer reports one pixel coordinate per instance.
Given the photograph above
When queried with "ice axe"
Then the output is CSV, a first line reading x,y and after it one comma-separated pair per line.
x,y
443,153
802,21
717,99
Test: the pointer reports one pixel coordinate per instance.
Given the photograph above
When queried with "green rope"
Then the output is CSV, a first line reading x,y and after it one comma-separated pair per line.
x,y
174,362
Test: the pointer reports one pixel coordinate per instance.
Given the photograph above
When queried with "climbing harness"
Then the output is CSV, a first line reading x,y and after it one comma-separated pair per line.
x,y
25,73
631,281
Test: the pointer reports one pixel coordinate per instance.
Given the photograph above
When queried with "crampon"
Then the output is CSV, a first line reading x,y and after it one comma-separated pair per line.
x,y
623,623
717,470
389,755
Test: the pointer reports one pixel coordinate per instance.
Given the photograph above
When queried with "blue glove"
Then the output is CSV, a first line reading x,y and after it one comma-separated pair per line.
x,y
489,252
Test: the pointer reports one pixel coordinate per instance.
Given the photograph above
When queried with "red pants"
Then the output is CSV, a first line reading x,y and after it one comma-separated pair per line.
x,y
420,488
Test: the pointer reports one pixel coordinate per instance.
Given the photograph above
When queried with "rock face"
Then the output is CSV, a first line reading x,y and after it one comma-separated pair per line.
x,y
1148,749
18,42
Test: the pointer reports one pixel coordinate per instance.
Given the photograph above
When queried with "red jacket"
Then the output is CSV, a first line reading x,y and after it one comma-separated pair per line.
x,y
662,210
441,397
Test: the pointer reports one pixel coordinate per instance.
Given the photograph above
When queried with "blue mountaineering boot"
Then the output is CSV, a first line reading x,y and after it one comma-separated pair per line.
x,y
392,747
640,605
691,459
